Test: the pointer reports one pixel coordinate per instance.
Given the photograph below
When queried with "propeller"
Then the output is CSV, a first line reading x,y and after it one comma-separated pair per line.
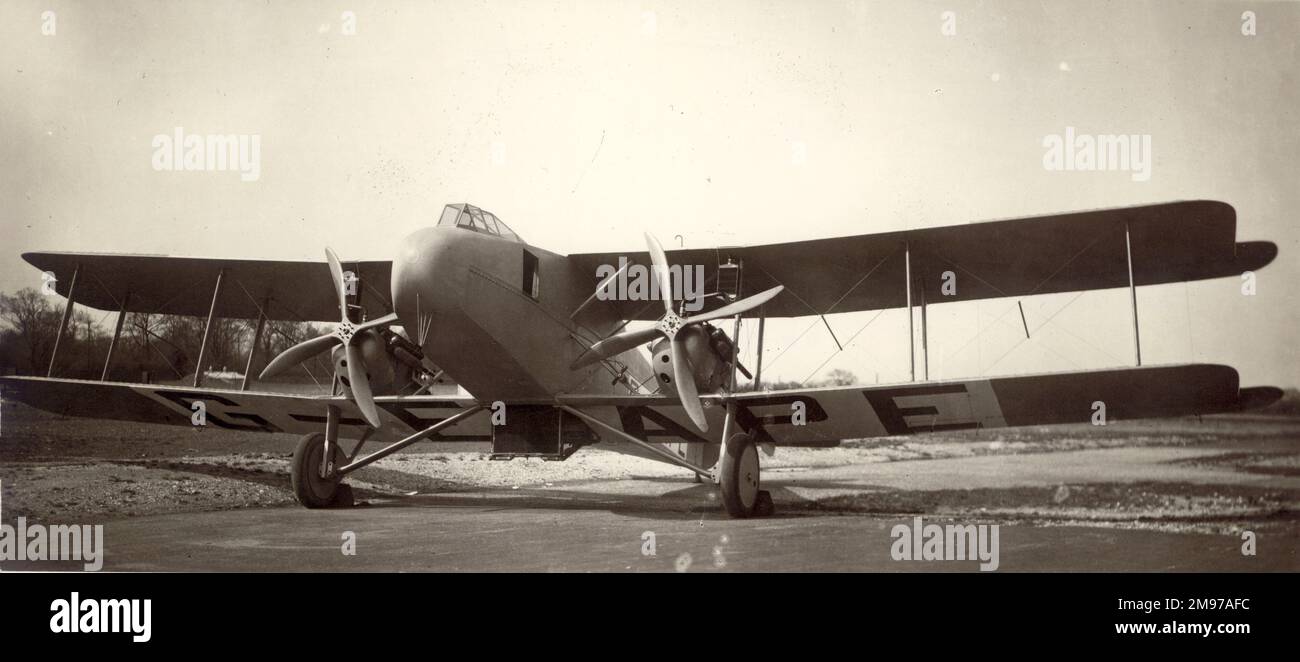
x,y
344,334
670,326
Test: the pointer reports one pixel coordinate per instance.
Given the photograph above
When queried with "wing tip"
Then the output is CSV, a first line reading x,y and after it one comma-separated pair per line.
x,y
1254,255
33,258
1258,397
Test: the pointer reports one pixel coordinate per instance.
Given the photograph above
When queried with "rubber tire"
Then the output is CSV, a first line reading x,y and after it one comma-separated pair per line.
x,y
343,497
739,476
310,489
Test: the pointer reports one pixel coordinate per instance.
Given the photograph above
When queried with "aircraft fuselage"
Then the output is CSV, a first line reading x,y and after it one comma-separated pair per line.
x,y
493,313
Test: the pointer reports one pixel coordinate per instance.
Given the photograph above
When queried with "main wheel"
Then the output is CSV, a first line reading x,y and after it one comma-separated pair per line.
x,y
311,489
739,476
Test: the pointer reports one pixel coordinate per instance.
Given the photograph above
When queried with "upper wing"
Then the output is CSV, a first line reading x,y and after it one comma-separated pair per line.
x,y
294,290
1171,242
854,412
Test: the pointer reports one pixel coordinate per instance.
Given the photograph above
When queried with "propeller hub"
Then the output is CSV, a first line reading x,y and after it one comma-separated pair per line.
x,y
344,331
353,358
670,324
678,355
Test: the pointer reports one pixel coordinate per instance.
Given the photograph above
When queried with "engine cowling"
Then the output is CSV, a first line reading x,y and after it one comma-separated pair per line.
x,y
709,351
378,365
393,362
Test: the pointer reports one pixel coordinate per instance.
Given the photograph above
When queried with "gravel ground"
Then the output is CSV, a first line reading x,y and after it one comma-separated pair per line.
x,y
60,469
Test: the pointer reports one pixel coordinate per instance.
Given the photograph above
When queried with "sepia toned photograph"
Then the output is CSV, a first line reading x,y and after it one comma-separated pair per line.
x,y
755,286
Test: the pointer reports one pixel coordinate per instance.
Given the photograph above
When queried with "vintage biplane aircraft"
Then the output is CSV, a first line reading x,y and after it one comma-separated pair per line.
x,y
551,367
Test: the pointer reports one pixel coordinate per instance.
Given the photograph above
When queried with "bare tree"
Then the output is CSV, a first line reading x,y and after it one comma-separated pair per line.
x,y
87,343
150,347
840,377
224,340
36,322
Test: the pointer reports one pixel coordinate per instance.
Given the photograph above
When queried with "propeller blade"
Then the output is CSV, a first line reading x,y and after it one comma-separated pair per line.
x,y
360,385
614,345
378,321
661,272
737,307
686,385
614,276
336,272
741,367
599,288
297,354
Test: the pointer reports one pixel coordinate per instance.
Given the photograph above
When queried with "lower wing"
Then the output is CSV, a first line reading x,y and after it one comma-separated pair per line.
x,y
812,417
242,410
825,416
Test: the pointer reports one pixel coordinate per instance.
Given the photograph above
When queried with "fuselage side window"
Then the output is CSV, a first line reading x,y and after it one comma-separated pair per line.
x,y
532,284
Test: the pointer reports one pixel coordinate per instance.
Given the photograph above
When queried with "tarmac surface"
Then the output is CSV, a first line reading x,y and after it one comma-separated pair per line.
x,y
1165,499
576,532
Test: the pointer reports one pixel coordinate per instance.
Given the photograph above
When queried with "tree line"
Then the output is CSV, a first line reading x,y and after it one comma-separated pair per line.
x,y
165,348
154,348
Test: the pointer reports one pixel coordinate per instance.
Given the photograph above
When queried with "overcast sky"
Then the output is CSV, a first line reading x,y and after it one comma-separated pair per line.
x,y
583,124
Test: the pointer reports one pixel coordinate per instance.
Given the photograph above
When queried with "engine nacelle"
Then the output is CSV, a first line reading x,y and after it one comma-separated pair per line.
x,y
393,362
378,364
707,348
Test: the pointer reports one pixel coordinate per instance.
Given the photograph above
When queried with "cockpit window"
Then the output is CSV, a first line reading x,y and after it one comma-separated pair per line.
x,y
449,214
471,221
472,218
503,230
